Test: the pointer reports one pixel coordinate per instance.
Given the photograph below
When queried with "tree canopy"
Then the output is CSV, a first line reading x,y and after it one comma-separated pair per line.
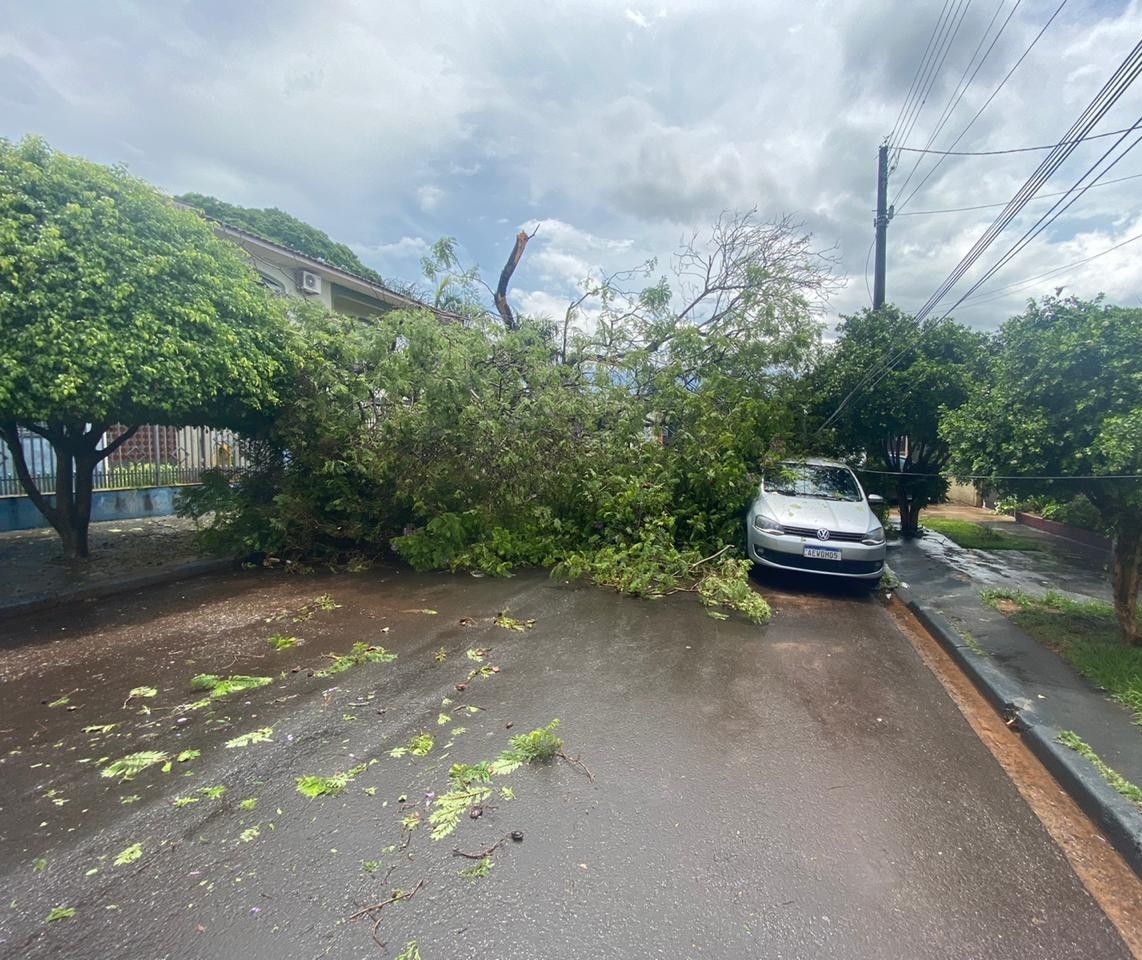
x,y
281,227
1062,398
118,307
892,413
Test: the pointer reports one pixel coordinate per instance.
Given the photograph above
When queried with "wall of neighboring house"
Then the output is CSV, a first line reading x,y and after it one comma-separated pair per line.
x,y
283,281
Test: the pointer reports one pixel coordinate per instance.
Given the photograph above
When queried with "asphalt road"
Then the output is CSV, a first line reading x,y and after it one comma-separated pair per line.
x,y
800,790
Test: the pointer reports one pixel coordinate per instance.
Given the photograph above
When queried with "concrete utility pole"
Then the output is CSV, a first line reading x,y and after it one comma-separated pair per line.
x,y
883,215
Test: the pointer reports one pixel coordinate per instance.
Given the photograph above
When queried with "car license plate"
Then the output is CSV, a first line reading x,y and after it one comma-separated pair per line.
x,y
823,553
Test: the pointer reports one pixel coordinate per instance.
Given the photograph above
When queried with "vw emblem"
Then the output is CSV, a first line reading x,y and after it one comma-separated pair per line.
x,y
822,534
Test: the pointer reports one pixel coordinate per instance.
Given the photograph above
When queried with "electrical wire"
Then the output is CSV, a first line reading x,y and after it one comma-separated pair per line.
x,y
986,104
996,153
962,87
1003,203
867,259
916,76
993,476
1000,293
1050,216
944,46
1123,76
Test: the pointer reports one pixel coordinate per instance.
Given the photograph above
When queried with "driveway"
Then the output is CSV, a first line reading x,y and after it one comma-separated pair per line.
x,y
800,790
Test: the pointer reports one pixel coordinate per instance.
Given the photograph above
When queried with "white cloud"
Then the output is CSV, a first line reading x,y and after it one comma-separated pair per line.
x,y
383,121
429,197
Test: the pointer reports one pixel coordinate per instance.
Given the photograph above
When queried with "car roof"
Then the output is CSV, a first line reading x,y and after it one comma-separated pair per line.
x,y
815,462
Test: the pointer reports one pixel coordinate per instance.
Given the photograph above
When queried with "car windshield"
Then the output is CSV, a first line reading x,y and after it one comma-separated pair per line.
x,y
810,480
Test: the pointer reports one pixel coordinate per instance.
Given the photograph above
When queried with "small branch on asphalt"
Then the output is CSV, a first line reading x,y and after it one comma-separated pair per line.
x,y
374,911
575,761
491,849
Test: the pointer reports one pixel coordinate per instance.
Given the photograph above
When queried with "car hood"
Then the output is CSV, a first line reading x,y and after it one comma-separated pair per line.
x,y
812,512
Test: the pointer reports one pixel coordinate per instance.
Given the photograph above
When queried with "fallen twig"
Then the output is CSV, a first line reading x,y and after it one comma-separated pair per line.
x,y
578,763
457,852
378,907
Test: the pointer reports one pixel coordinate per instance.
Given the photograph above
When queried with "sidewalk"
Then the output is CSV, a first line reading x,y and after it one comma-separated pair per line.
x,y
1022,678
124,553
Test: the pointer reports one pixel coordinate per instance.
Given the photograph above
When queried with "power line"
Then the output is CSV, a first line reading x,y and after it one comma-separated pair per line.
x,y
920,68
986,103
1000,293
1051,216
962,87
1111,92
943,47
993,476
867,258
1003,203
996,153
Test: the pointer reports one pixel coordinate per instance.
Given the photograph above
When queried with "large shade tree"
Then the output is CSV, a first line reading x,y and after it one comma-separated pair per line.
x,y
118,308
882,391
1061,405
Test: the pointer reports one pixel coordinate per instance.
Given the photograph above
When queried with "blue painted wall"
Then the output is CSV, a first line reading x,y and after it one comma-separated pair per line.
x,y
18,513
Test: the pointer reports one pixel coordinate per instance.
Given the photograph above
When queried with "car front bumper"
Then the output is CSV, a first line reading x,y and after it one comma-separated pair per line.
x,y
787,552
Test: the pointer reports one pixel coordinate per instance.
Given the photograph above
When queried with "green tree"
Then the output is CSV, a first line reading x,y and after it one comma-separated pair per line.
x,y
1062,397
118,307
892,416
283,228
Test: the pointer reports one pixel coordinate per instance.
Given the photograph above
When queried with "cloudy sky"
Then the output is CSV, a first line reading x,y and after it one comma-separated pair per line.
x,y
619,127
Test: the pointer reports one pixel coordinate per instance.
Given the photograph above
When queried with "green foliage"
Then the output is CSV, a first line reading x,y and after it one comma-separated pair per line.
x,y
312,787
539,746
359,654
934,369
280,227
224,686
129,855
1062,398
280,641
450,807
626,454
478,870
59,913
410,952
727,585
261,735
132,765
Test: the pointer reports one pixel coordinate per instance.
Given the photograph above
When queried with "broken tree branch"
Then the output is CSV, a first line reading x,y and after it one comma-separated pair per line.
x,y
501,294
377,909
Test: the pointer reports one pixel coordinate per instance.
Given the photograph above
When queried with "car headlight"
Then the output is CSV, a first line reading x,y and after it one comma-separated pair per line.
x,y
874,537
766,524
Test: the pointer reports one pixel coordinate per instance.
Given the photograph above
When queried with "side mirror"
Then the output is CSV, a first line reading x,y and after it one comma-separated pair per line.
x,y
875,500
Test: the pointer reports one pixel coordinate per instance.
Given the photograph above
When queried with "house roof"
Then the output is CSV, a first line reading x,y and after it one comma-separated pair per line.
x,y
345,278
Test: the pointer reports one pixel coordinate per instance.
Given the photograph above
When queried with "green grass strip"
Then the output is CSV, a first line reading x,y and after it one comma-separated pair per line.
x,y
1068,738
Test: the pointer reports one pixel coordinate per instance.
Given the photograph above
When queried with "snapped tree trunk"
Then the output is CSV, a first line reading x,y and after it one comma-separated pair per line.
x,y
501,294
1127,563
76,452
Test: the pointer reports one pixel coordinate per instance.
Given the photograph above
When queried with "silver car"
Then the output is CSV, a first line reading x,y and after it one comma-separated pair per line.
x,y
813,515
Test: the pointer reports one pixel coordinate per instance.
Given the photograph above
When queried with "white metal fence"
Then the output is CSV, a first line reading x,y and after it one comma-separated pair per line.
x,y
154,457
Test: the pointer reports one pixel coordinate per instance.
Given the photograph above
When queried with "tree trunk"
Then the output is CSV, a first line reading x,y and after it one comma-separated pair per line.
x,y
909,512
76,456
1127,563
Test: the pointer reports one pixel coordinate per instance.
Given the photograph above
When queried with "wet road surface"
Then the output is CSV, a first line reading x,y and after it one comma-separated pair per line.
x,y
800,790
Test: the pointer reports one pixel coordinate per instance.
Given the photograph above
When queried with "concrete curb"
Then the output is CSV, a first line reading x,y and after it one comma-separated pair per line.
x,y
1114,815
107,588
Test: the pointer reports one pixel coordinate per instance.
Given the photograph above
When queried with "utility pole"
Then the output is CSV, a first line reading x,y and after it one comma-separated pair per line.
x,y
883,215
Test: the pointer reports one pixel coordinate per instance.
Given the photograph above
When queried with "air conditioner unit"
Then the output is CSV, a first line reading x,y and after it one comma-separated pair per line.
x,y
308,282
